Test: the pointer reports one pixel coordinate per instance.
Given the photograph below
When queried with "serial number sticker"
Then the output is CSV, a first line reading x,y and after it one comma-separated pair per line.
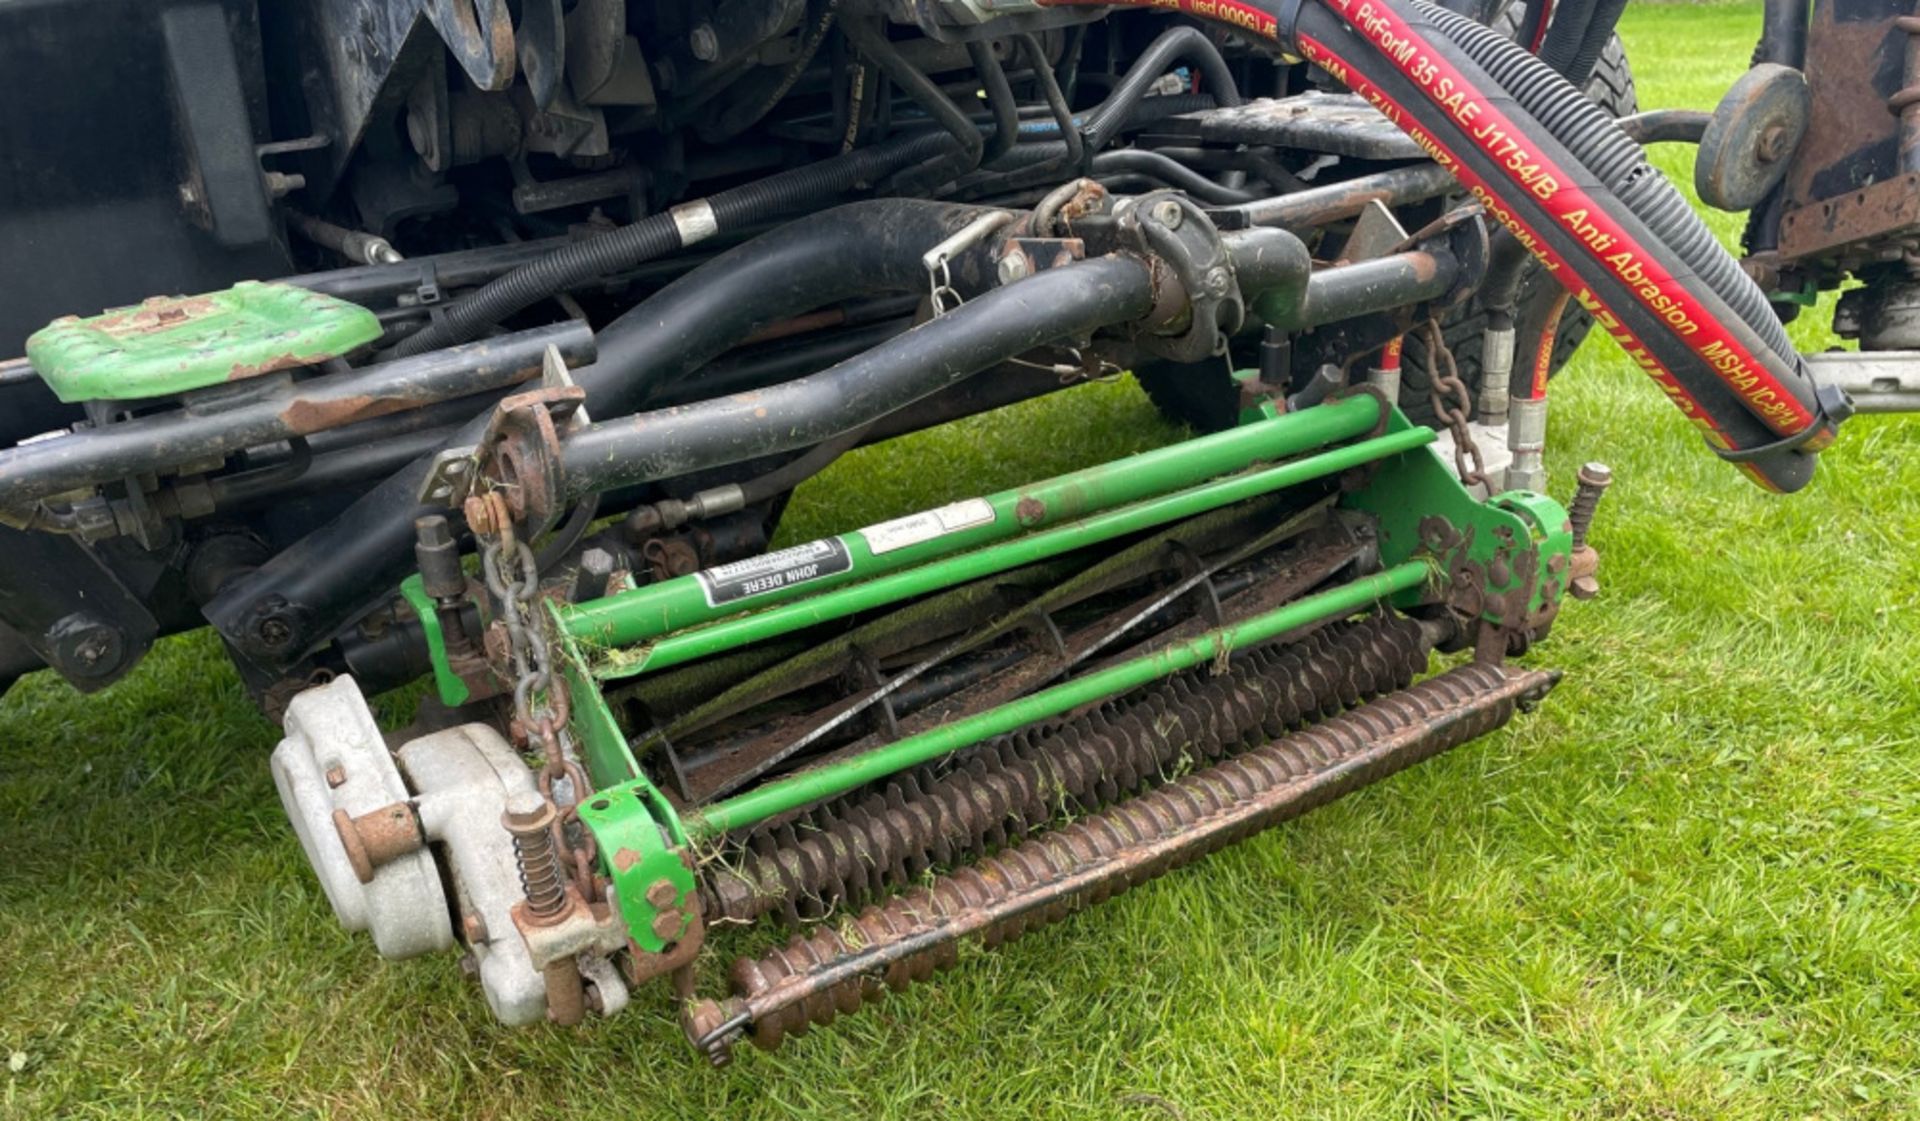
x,y
927,525
770,572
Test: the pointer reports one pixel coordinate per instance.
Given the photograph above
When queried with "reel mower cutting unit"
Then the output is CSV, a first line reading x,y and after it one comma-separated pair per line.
x,y
572,296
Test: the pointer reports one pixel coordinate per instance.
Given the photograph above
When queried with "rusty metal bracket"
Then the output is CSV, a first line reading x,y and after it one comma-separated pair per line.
x,y
519,452
1168,229
1839,228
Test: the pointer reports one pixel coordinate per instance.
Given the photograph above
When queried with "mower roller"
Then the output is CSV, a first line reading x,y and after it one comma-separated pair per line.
x,y
558,332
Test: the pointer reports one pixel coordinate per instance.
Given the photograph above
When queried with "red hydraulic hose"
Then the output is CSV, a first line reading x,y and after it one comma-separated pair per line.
x,y
1755,404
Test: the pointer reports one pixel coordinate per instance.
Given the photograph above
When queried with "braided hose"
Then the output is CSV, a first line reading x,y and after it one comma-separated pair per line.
x,y
1568,184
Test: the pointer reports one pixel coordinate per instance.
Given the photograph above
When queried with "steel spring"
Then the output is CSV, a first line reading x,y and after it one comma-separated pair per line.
x,y
834,970
540,876
852,850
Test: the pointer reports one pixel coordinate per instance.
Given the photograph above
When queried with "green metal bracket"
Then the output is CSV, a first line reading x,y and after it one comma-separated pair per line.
x,y
172,344
453,691
640,838
1507,558
641,846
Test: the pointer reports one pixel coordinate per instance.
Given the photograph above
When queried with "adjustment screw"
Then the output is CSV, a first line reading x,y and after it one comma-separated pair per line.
x,y
1594,479
1168,214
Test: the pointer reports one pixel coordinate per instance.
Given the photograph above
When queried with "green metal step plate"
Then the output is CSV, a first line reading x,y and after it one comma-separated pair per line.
x,y
173,344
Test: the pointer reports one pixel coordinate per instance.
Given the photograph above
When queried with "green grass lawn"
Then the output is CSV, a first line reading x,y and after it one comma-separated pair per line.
x,y
1683,888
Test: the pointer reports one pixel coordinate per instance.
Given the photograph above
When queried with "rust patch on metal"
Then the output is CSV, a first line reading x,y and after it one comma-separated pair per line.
x,y
1845,61
1838,226
1029,510
156,313
625,859
305,417
240,371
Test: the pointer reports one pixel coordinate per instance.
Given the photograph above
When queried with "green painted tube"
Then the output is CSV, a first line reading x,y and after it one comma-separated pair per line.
x,y
743,630
826,782
807,570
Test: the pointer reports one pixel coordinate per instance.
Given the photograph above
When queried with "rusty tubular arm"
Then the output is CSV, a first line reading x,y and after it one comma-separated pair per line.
x,y
92,456
304,595
1062,303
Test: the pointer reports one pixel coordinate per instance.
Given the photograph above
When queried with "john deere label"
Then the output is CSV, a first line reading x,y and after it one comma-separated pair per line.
x,y
927,525
756,576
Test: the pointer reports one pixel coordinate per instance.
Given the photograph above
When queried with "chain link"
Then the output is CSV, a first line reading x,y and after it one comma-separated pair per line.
x,y
1451,402
541,707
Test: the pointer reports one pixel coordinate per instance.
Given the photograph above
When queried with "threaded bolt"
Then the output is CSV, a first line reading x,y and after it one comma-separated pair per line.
x,y
1594,479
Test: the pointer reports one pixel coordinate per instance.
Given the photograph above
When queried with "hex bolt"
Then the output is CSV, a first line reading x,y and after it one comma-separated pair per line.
x,y
595,572
529,818
1168,214
704,44
662,894
1013,267
1594,479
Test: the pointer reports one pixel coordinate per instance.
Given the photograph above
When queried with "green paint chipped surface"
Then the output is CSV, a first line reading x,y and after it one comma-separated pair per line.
x,y
172,344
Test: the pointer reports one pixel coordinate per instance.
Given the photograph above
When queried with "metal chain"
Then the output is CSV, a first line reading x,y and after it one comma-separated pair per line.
x,y
541,706
1451,402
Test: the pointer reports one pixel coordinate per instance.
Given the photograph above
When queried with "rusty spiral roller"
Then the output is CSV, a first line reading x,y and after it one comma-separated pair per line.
x,y
853,850
831,971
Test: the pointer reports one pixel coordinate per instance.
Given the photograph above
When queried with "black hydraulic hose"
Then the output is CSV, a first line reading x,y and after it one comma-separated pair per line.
x,y
1606,16
1056,98
1580,192
1000,100
1565,33
967,146
1176,44
739,118
1163,169
801,468
1533,24
1554,169
1783,33
1597,142
1060,303
659,234
301,597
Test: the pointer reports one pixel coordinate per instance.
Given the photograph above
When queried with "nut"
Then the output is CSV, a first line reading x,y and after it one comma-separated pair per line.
x,y
661,893
667,924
